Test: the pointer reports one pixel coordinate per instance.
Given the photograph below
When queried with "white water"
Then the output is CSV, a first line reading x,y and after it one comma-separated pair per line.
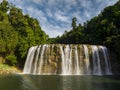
x,y
66,56
107,62
63,61
41,59
96,61
77,62
86,59
68,60
30,57
36,60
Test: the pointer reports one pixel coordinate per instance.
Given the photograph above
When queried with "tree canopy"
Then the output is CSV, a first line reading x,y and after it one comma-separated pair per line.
x,y
103,29
18,32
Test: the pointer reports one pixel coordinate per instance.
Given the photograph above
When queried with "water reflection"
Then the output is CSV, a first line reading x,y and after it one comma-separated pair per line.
x,y
75,83
56,82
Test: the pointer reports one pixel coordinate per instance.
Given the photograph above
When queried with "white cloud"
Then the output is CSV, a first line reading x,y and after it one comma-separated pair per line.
x,y
55,15
59,15
54,31
87,14
37,1
49,12
52,2
0,1
71,2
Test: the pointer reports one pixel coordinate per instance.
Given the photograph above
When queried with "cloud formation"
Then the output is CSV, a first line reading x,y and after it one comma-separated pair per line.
x,y
55,15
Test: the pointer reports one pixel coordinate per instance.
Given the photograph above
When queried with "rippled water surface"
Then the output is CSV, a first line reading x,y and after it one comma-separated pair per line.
x,y
57,82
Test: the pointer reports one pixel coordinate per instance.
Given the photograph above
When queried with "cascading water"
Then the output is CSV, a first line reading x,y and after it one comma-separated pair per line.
x,y
63,61
41,60
68,60
86,59
96,61
77,61
36,60
107,62
29,60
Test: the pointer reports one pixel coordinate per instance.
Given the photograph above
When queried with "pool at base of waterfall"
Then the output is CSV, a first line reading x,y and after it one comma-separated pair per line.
x,y
59,82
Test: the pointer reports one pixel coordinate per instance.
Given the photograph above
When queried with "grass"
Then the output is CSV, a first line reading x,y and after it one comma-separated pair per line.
x,y
6,69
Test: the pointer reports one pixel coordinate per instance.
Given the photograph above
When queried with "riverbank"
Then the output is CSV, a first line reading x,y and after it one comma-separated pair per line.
x,y
6,69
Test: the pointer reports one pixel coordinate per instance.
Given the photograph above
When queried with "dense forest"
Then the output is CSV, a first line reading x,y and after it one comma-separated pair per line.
x,y
103,29
18,32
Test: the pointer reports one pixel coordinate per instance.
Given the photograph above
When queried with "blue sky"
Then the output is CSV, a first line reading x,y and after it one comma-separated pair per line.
x,y
55,15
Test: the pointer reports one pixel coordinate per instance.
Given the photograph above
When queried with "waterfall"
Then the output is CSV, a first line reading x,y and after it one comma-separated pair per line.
x,y
77,61
86,59
29,60
41,59
68,60
107,62
66,56
96,61
36,60
63,61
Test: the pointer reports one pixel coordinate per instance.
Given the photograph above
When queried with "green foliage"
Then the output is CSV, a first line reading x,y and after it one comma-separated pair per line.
x,y
18,32
4,6
8,37
74,23
74,36
103,29
11,59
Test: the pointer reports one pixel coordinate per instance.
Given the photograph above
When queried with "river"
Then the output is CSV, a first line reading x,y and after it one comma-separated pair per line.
x,y
59,82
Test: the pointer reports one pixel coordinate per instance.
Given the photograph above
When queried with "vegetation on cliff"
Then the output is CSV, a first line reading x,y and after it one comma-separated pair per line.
x,y
6,69
18,32
103,29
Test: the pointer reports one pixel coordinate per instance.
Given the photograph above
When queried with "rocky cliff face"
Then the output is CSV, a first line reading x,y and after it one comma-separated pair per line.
x,y
115,62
